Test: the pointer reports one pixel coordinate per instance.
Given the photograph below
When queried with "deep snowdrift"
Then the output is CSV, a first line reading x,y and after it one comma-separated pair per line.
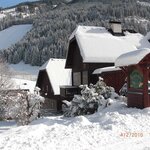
x,y
116,127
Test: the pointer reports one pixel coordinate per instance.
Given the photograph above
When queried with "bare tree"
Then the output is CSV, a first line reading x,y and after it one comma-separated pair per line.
x,y
5,84
20,105
5,75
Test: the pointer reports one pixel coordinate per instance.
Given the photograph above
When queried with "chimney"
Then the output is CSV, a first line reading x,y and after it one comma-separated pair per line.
x,y
116,27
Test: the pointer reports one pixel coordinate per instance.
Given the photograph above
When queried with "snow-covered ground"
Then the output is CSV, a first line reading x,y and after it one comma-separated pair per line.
x,y
9,3
24,84
13,35
24,75
25,68
114,128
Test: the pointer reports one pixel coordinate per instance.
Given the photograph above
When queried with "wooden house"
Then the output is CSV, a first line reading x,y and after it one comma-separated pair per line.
x,y
51,76
93,47
137,67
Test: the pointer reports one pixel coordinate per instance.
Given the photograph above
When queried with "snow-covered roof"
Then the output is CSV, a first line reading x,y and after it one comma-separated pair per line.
x,y
131,58
144,42
23,84
106,69
97,44
57,74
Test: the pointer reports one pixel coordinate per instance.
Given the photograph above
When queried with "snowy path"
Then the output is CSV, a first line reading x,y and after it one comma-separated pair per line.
x,y
100,131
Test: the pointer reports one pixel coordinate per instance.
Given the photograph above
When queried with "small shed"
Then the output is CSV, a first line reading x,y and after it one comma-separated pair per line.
x,y
52,75
137,66
113,76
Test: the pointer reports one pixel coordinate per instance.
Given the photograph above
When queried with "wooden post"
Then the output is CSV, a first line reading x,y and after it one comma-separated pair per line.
x,y
145,88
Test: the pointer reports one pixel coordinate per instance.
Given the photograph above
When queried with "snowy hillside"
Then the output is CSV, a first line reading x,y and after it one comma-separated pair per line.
x,y
25,68
24,75
114,128
8,3
13,34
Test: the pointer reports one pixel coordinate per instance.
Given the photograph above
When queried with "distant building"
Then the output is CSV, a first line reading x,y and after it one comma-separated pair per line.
x,y
51,76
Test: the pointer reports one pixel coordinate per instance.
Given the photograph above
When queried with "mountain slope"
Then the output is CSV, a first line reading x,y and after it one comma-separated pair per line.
x,y
52,26
12,35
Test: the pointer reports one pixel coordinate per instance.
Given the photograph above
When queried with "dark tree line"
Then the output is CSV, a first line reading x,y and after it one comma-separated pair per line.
x,y
53,26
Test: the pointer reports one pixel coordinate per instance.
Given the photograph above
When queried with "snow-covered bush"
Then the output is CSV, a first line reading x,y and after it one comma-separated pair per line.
x,y
91,98
21,106
123,90
1,109
102,89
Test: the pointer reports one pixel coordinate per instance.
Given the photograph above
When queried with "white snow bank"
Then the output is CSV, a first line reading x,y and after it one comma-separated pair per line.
x,y
131,58
144,42
13,34
116,127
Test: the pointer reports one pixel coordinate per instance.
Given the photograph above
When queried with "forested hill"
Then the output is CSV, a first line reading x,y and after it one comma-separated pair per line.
x,y
53,21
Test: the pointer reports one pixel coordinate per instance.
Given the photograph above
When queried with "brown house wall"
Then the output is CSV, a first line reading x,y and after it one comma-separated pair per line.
x,y
44,84
74,57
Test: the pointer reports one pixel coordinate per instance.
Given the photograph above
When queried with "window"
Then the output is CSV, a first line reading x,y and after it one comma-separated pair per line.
x,y
85,77
77,78
53,104
136,79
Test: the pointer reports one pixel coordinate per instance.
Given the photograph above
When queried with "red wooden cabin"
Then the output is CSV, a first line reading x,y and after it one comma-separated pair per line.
x,y
112,76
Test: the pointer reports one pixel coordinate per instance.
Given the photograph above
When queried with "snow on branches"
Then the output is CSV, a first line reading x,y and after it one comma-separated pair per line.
x,y
5,75
92,98
21,105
